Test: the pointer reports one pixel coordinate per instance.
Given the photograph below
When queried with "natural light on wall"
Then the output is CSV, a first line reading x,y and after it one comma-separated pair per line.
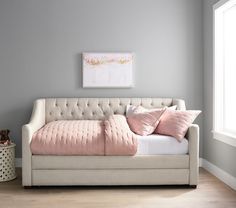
x,y
225,71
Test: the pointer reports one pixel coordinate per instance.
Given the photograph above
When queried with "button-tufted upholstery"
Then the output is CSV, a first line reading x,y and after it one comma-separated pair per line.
x,y
98,108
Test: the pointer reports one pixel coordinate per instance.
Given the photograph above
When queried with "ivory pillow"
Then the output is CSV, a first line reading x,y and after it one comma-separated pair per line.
x,y
176,122
142,121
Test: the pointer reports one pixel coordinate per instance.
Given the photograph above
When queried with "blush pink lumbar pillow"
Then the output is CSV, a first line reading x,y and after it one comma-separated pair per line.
x,y
144,122
176,122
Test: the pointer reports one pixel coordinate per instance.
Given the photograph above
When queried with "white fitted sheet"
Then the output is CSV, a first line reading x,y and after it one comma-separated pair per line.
x,y
161,145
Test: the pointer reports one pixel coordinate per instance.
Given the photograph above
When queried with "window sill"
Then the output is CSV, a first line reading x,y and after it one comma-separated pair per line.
x,y
225,138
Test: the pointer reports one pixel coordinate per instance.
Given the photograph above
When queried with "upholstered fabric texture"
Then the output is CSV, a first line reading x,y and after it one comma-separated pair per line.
x,y
51,162
99,108
176,123
37,120
101,177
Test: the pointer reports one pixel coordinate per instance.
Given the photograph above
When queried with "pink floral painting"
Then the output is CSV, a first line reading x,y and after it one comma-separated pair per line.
x,y
107,70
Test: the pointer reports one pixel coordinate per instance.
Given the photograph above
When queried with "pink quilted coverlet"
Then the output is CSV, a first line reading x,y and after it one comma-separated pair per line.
x,y
119,139
69,138
85,137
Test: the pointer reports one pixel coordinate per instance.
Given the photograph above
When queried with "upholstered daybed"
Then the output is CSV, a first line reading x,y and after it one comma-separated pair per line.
x,y
159,160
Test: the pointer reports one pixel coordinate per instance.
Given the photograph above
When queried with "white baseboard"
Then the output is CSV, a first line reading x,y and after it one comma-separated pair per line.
x,y
219,173
213,169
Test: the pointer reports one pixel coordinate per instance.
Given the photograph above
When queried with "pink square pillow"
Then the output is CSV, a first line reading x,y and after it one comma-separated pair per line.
x,y
176,122
144,122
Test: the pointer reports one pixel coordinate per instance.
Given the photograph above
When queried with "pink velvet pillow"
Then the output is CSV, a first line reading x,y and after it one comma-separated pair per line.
x,y
144,122
176,122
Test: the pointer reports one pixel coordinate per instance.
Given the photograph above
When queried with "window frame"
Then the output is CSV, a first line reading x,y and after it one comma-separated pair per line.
x,y
218,132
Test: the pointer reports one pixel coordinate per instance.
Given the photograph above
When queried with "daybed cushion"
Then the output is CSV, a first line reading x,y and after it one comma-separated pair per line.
x,y
161,145
75,137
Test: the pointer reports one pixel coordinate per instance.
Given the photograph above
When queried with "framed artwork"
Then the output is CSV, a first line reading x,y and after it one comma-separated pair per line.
x,y
107,70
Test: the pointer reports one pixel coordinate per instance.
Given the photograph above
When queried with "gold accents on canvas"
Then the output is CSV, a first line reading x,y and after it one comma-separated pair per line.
x,y
95,62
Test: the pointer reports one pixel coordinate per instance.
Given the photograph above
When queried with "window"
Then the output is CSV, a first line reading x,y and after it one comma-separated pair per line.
x,y
225,71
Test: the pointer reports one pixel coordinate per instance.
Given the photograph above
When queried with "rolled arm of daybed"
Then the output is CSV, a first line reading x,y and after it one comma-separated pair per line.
x,y
193,138
36,122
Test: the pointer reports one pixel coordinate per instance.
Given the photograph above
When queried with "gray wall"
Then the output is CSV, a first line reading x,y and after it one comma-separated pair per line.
x,y
216,152
41,44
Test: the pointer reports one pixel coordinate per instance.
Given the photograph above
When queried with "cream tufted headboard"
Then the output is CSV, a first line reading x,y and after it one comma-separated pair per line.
x,y
98,108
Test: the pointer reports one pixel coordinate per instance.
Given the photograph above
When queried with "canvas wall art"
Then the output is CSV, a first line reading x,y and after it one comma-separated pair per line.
x,y
108,70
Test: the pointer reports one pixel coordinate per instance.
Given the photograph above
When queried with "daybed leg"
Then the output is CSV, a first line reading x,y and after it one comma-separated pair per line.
x,y
193,186
27,187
